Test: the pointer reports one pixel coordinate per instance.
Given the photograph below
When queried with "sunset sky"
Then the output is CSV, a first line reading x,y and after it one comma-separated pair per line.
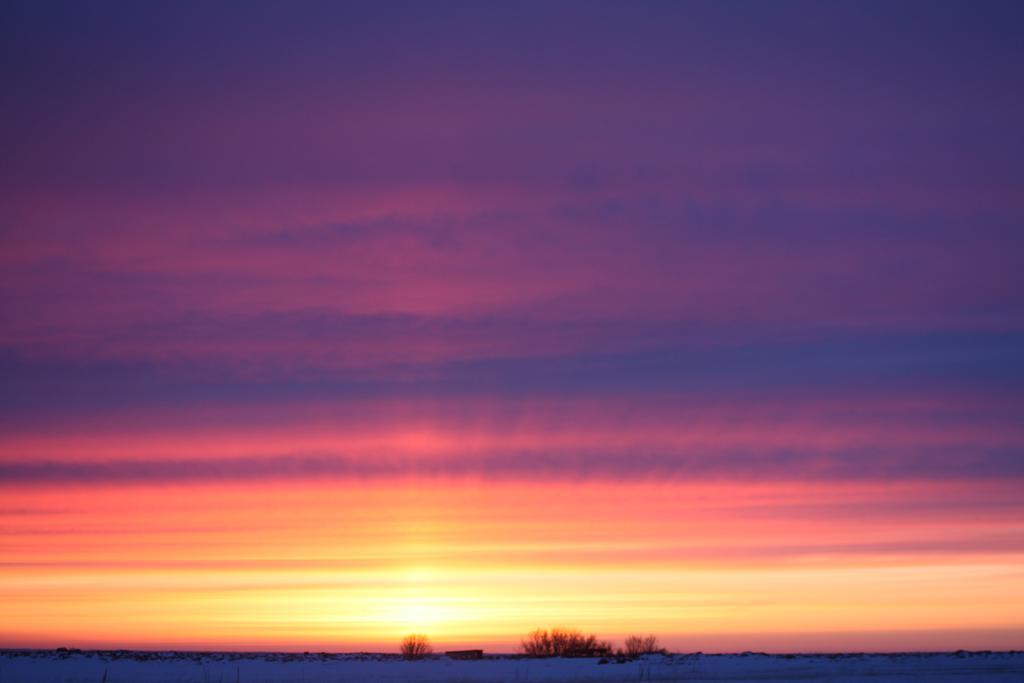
x,y
326,322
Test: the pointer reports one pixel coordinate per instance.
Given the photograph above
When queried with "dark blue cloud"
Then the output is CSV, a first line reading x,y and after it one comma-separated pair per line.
x,y
771,464
947,361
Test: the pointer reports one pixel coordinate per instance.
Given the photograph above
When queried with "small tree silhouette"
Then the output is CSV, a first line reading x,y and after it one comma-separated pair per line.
x,y
560,642
416,646
642,645
537,643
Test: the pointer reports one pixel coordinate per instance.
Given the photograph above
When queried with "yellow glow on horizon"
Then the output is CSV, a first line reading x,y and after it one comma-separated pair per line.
x,y
347,566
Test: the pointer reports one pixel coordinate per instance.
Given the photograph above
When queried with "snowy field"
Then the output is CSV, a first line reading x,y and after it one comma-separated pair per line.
x,y
153,667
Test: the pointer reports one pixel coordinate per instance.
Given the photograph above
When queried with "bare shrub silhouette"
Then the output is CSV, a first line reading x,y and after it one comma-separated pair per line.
x,y
537,643
642,645
562,642
416,646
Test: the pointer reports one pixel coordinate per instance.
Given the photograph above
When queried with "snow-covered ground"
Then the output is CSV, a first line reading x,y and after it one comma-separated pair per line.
x,y
152,667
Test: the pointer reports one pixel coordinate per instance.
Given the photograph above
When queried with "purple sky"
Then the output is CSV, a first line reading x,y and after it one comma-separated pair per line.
x,y
736,242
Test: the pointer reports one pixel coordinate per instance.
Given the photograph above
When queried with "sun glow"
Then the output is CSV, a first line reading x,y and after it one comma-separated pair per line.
x,y
350,566
420,612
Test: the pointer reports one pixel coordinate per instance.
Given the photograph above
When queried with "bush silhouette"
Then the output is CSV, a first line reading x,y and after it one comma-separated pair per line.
x,y
562,642
642,645
416,646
